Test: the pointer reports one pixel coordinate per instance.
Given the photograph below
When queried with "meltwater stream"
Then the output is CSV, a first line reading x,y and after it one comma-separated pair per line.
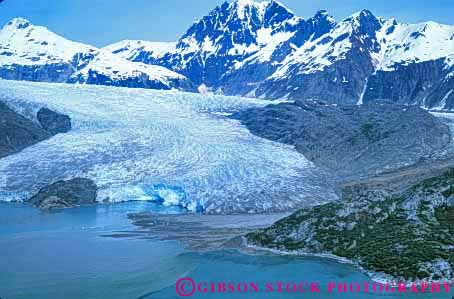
x,y
145,145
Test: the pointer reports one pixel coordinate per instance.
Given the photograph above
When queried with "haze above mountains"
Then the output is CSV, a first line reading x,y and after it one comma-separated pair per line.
x,y
256,49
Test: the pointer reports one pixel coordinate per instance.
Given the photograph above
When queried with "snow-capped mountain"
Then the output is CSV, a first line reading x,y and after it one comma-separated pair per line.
x,y
108,69
256,49
229,35
333,67
368,58
141,51
33,53
261,49
232,36
415,65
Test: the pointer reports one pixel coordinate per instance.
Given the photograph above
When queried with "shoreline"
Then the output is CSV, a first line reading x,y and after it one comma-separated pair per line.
x,y
377,277
227,232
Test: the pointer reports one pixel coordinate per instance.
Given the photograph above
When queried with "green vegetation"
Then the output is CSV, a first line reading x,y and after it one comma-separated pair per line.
x,y
373,132
382,233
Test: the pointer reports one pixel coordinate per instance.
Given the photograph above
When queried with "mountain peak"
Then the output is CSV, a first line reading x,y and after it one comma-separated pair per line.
x,y
364,13
275,9
262,8
18,23
275,3
363,17
365,22
321,13
243,6
324,16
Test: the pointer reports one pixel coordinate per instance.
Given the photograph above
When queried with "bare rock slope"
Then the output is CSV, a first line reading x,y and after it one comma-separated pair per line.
x,y
352,141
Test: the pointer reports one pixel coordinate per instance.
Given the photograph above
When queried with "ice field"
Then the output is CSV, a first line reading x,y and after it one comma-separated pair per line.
x,y
177,148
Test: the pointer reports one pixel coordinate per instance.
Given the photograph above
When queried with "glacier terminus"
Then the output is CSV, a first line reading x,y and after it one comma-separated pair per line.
x,y
174,147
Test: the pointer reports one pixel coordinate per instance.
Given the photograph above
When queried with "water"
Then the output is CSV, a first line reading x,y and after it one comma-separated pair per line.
x,y
139,145
63,255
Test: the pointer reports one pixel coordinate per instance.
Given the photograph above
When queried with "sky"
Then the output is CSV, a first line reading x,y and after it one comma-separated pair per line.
x,y
101,22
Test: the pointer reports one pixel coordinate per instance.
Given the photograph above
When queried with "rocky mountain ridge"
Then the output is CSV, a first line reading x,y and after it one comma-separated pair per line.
x,y
33,53
262,49
256,49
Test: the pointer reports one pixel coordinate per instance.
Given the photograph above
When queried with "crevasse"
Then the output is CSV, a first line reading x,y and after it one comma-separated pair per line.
x,y
173,147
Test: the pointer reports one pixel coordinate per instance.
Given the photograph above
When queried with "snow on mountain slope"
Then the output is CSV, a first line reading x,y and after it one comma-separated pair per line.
x,y
230,34
108,69
26,44
261,23
332,67
367,58
414,65
413,43
233,63
314,56
33,53
262,49
158,145
141,51
118,68
214,45
387,41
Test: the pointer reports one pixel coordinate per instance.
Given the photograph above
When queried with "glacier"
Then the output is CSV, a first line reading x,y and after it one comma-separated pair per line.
x,y
169,146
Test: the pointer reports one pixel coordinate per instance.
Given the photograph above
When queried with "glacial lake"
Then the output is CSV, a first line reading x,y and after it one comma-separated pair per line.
x,y
63,255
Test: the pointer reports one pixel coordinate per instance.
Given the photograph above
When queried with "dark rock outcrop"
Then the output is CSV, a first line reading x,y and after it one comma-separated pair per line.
x,y
58,72
339,82
351,140
17,132
424,84
141,81
66,194
53,122
326,85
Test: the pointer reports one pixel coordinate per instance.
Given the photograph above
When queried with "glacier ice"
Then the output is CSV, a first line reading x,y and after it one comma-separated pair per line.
x,y
174,147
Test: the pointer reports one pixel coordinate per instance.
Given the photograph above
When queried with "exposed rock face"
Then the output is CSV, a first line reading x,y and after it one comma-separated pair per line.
x,y
331,85
406,235
140,81
54,122
17,132
351,140
321,74
425,84
280,55
220,29
38,73
66,194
